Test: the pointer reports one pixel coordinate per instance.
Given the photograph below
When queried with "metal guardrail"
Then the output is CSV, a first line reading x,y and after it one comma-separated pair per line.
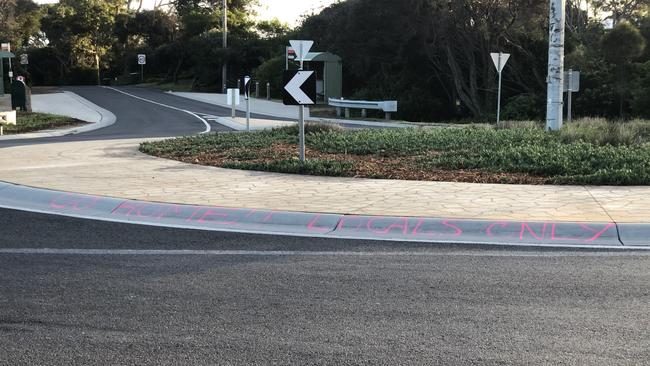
x,y
388,107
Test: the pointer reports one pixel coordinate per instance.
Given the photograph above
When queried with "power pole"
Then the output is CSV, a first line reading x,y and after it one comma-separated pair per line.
x,y
224,69
554,106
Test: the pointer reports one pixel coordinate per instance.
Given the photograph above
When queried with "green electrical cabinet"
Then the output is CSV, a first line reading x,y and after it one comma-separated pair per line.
x,y
329,74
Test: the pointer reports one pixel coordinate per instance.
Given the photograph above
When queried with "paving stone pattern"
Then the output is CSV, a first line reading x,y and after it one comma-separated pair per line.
x,y
116,168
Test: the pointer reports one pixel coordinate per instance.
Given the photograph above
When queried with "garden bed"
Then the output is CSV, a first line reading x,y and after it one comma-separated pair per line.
x,y
32,122
585,152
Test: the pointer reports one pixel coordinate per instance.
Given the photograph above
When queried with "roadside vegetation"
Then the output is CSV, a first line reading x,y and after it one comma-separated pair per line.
x,y
588,151
30,122
432,56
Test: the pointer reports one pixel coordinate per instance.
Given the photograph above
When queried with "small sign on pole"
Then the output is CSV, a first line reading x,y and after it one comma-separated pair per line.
x,y
572,81
500,59
142,60
571,85
24,59
289,55
301,48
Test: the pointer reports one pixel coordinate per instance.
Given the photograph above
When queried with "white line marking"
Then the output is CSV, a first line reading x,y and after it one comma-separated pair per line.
x,y
207,125
285,253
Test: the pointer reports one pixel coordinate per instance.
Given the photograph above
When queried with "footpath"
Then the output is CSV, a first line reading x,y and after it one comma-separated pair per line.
x,y
116,168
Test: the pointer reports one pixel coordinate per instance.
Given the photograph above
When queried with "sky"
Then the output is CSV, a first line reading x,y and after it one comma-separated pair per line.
x,y
287,11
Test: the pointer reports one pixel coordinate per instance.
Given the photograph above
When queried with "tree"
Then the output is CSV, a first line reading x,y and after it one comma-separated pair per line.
x,y
621,9
620,47
19,21
84,28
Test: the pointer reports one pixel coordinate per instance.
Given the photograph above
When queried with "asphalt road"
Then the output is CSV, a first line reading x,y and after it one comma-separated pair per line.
x,y
80,292
307,301
137,118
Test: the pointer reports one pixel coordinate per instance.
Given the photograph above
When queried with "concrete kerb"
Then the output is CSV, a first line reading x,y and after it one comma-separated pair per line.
x,y
229,122
105,118
412,229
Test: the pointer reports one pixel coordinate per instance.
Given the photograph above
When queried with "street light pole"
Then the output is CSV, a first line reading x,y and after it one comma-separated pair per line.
x,y
224,70
555,102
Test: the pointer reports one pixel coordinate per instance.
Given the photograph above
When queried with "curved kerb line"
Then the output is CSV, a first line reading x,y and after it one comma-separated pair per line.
x,y
284,253
208,128
280,232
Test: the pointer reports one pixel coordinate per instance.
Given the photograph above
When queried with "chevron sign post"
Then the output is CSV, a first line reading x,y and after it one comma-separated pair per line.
x,y
300,89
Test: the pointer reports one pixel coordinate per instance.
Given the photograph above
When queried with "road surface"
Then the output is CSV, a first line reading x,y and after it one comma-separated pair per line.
x,y
80,292
141,298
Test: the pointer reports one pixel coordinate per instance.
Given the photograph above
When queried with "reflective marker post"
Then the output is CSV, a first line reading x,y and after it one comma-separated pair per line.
x,y
247,92
301,124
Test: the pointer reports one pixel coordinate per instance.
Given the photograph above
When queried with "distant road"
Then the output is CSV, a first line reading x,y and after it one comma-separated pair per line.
x,y
252,299
137,118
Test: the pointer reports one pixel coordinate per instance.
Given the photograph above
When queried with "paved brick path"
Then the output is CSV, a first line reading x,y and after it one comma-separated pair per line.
x,y
116,168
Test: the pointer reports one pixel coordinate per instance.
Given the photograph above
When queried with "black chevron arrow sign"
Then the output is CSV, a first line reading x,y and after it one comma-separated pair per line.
x,y
299,87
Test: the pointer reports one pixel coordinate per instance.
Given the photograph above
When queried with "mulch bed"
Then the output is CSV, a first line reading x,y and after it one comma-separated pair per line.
x,y
368,166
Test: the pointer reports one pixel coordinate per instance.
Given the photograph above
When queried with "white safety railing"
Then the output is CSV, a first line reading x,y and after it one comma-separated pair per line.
x,y
388,107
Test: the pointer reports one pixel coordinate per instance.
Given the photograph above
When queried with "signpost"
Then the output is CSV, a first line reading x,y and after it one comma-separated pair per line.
x,y
232,98
142,60
300,88
571,85
247,94
289,55
500,60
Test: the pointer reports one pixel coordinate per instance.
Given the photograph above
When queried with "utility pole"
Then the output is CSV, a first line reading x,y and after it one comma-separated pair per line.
x,y
555,81
224,69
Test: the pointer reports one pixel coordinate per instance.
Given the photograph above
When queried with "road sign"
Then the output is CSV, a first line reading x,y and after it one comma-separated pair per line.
x,y
291,54
24,59
142,59
571,85
233,94
300,88
247,86
301,48
500,60
571,81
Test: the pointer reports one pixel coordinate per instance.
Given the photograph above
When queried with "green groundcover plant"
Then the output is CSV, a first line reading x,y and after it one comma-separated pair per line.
x,y
588,151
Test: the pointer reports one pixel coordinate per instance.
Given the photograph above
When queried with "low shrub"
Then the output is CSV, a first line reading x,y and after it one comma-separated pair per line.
x,y
332,168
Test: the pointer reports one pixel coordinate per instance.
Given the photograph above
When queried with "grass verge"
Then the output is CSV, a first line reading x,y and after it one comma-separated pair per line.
x,y
589,151
31,122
